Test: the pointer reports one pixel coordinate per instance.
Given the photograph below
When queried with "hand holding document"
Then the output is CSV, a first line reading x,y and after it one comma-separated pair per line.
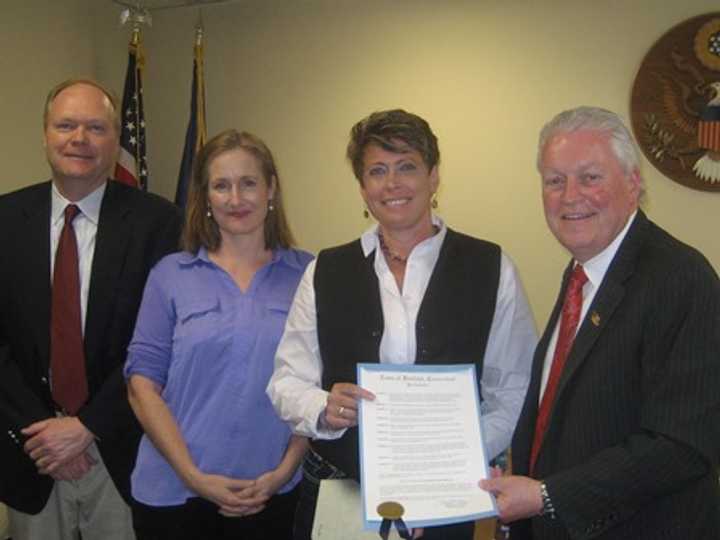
x,y
421,444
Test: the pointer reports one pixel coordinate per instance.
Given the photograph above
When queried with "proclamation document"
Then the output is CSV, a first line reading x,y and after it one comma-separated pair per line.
x,y
421,444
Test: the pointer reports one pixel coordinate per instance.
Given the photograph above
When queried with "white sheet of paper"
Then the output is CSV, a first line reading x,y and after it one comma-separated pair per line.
x,y
337,514
421,444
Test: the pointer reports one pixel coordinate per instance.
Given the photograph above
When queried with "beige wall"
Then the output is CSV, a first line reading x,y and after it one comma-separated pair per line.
x,y
40,45
485,73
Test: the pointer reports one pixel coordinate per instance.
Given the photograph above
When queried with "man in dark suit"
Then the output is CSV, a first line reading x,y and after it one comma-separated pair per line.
x,y
69,438
619,436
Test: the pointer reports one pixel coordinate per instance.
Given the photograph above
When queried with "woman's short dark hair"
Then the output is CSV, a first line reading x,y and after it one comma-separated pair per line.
x,y
394,130
201,230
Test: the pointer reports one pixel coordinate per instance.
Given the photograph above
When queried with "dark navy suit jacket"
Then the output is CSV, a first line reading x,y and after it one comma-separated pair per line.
x,y
633,440
135,229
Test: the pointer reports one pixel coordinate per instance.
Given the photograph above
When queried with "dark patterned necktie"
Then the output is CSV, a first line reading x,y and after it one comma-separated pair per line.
x,y
67,356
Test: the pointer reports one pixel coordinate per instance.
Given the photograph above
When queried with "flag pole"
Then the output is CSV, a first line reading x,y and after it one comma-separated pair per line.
x,y
200,69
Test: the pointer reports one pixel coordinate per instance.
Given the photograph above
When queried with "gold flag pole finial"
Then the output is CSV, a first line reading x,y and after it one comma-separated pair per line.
x,y
199,28
135,39
199,34
199,31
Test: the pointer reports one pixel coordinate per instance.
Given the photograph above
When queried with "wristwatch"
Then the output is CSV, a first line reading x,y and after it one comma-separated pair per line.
x,y
548,510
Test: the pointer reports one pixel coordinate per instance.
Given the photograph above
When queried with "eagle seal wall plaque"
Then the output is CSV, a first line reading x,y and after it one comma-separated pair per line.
x,y
675,104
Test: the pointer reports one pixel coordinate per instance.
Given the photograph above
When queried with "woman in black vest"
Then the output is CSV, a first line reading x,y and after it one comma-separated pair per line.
x,y
410,290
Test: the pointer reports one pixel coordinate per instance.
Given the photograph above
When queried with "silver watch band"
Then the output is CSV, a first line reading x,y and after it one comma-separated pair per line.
x,y
548,509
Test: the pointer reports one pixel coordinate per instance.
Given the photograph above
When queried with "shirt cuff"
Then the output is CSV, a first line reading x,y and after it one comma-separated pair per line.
x,y
319,429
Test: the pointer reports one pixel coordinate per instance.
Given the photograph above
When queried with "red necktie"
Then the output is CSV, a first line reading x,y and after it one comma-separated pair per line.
x,y
67,356
572,305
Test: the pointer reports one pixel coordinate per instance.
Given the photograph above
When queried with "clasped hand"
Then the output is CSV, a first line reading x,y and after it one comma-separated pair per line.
x,y
58,446
237,497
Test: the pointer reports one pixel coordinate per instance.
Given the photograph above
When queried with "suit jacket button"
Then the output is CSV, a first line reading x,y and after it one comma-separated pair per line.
x,y
44,380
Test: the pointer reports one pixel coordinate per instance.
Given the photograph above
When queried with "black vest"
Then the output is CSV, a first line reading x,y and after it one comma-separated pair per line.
x,y
452,325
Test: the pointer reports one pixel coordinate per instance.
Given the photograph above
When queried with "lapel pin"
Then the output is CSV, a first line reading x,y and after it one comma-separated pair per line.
x,y
595,318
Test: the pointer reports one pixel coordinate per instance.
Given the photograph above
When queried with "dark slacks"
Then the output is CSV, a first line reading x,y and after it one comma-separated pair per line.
x,y
199,519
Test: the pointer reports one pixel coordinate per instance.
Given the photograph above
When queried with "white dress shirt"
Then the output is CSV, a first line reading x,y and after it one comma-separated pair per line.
x,y
85,225
295,387
595,270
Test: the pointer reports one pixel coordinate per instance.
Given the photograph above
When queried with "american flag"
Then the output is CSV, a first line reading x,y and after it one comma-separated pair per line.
x,y
131,167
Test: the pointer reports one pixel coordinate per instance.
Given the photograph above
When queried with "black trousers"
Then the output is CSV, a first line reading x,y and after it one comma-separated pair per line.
x,y
199,519
316,469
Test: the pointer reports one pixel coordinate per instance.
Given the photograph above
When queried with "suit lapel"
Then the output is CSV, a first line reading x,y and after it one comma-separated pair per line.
x,y
606,301
35,268
111,245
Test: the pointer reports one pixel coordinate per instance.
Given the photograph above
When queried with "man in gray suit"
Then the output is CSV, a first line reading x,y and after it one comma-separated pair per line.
x,y
619,436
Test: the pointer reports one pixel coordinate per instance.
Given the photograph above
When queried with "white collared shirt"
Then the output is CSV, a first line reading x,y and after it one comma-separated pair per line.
x,y
595,270
398,344
85,225
295,387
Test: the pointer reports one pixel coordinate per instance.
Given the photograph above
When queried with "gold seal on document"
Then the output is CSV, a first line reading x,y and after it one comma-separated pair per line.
x,y
390,510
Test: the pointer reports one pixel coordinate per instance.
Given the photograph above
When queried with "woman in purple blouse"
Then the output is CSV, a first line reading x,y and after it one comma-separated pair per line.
x,y
216,461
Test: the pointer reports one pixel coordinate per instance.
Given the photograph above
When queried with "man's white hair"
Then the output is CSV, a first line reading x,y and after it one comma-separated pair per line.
x,y
594,119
